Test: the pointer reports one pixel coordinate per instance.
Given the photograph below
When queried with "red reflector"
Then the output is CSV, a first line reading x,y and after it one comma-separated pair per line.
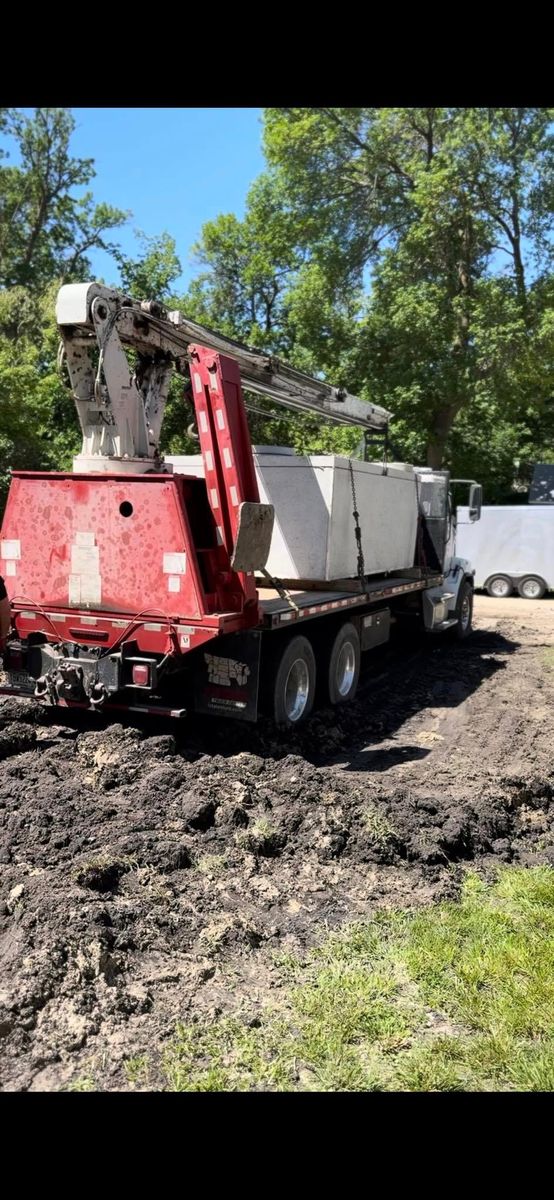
x,y
141,674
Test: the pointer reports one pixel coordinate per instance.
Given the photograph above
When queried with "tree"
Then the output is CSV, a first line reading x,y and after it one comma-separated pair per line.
x,y
47,227
247,266
46,230
430,201
259,286
403,253
150,276
39,423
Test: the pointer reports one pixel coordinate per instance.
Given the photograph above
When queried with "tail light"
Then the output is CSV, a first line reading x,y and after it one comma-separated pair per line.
x,y
141,674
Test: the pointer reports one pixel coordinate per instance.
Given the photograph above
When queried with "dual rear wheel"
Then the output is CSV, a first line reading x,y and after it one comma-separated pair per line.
x,y
295,675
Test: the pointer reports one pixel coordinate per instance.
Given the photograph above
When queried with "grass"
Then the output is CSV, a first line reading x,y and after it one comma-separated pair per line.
x,y
137,1069
84,1083
103,872
455,997
261,837
377,826
212,864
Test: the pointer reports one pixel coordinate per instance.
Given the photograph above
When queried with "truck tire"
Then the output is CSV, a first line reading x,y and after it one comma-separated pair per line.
x,y
500,586
532,587
344,665
294,683
464,611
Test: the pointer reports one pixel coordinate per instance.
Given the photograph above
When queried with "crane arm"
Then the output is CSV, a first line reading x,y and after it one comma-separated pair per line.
x,y
269,376
121,413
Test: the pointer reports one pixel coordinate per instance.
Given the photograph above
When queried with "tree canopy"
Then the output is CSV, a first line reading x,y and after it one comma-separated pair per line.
x,y
406,253
411,257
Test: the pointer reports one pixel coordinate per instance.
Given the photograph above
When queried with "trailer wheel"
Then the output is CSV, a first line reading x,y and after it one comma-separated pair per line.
x,y
500,586
294,684
532,587
464,611
344,665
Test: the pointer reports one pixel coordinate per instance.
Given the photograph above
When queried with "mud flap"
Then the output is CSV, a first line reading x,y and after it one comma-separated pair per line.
x,y
227,677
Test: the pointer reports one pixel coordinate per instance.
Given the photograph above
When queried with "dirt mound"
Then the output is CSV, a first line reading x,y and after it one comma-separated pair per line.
x,y
146,876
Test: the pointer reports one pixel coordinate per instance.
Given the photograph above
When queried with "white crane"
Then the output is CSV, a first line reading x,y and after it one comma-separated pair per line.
x,y
121,411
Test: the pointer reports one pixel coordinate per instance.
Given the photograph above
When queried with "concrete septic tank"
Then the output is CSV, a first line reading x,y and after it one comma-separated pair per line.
x,y
313,536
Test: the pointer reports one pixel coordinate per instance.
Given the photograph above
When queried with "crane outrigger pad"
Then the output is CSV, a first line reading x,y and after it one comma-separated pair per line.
x,y
253,540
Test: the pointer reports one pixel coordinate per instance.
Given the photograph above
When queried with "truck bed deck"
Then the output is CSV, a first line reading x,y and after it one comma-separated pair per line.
x,y
278,610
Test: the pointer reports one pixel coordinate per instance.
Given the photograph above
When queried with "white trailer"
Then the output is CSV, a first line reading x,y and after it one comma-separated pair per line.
x,y
511,547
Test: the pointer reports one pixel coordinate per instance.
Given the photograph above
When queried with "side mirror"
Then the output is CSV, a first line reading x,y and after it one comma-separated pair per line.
x,y
475,501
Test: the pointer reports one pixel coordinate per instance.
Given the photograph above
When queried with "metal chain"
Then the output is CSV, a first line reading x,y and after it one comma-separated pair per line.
x,y
280,588
357,530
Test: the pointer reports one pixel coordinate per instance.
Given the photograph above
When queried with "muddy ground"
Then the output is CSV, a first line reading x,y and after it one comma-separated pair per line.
x,y
149,876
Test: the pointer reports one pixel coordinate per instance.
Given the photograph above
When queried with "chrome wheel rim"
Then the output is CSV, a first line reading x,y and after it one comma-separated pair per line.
x,y
531,589
346,669
500,587
297,690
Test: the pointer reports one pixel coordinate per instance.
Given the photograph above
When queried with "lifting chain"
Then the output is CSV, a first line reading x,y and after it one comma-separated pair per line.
x,y
357,530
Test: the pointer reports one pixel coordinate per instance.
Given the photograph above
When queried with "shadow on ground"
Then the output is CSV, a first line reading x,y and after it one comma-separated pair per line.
x,y
397,681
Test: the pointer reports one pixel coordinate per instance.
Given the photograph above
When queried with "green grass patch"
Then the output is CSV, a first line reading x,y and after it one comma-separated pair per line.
x,y
83,1083
455,997
137,1069
378,827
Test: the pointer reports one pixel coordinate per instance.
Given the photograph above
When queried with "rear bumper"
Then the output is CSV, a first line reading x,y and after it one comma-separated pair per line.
x,y
159,710
71,675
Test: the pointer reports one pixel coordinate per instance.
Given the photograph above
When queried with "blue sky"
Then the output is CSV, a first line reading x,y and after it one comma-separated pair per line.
x,y
173,167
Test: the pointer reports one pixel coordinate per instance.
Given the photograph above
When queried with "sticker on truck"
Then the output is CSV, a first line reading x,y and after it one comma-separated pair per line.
x,y
227,674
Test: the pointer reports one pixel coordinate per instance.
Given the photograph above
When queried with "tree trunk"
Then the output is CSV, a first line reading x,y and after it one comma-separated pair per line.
x,y
439,435
445,417
518,257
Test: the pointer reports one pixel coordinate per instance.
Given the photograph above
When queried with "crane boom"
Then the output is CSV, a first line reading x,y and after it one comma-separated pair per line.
x,y
269,376
121,416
